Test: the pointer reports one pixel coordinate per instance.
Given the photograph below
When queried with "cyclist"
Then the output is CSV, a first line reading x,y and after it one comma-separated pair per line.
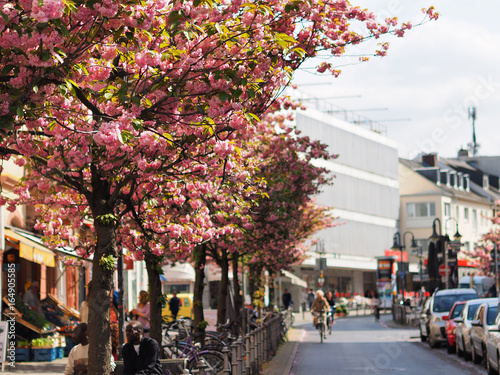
x,y
319,305
331,302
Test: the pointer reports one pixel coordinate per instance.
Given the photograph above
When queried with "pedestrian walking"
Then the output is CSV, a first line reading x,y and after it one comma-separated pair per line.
x,y
310,298
174,305
287,299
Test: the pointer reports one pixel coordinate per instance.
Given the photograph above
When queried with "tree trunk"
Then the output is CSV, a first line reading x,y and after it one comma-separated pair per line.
x,y
100,296
155,294
238,297
200,259
223,289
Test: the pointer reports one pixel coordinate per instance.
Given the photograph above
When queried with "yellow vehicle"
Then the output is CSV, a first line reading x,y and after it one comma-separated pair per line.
x,y
185,309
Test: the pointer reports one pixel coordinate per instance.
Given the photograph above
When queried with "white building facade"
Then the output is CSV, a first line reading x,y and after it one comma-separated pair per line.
x,y
364,197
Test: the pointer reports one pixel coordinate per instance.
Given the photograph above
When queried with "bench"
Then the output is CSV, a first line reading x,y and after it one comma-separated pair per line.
x,y
169,366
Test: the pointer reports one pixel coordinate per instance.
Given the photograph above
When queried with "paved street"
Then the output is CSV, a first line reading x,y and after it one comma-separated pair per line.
x,y
359,345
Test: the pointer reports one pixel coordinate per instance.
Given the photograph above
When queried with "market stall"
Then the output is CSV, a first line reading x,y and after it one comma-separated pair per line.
x,y
41,338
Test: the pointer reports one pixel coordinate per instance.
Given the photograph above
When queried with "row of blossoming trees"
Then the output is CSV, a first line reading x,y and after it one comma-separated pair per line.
x,y
159,122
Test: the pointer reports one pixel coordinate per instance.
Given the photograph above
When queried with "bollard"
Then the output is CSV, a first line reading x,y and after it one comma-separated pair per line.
x,y
186,372
227,365
234,359
261,346
252,351
241,356
247,354
201,367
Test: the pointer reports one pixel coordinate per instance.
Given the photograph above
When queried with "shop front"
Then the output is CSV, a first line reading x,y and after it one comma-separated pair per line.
x,y
31,271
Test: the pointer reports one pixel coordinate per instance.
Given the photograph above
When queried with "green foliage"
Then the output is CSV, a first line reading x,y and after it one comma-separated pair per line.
x,y
202,325
30,316
107,262
162,300
341,309
43,342
107,219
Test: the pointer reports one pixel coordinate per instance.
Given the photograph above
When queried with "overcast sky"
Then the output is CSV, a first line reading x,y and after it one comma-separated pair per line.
x,y
420,92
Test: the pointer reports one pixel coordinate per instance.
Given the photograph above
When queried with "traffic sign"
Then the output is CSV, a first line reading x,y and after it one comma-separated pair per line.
x,y
444,270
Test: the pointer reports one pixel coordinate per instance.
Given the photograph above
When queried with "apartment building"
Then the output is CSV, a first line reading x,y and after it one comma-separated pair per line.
x,y
450,195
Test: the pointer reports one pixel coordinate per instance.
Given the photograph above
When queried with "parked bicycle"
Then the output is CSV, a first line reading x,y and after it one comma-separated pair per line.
x,y
180,343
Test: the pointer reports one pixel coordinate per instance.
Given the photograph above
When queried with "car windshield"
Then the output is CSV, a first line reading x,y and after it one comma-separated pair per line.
x,y
457,310
444,303
492,314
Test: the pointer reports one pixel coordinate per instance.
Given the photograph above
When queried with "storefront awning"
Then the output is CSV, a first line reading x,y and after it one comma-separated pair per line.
x,y
179,272
31,250
295,280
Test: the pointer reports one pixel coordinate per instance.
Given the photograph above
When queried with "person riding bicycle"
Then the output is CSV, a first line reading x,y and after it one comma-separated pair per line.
x,y
331,301
319,305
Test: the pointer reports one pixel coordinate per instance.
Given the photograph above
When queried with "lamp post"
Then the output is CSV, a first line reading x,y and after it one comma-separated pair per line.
x,y
420,255
398,245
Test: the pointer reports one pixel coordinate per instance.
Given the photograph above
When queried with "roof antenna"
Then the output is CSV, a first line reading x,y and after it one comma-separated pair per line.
x,y
474,146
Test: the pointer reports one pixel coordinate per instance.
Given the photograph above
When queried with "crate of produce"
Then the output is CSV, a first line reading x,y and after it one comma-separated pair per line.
x,y
23,355
44,355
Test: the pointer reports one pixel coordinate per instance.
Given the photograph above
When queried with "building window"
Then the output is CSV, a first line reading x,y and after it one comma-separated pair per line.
x,y
466,215
474,220
447,210
426,209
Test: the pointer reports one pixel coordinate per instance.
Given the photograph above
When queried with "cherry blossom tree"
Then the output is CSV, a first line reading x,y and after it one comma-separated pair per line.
x,y
483,253
101,100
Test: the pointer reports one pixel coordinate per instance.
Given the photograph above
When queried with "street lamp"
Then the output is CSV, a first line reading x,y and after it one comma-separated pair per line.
x,y
435,237
397,245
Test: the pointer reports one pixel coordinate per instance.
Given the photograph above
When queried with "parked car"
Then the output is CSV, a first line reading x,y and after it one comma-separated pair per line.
x,y
441,303
423,320
481,324
464,325
450,324
493,348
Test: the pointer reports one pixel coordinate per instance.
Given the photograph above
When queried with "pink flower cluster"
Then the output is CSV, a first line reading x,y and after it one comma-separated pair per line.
x,y
46,10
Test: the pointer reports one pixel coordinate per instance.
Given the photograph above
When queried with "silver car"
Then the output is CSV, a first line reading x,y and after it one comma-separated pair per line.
x,y
481,324
441,303
493,347
464,325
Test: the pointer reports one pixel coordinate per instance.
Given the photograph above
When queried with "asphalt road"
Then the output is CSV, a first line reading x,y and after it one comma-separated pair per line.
x,y
362,346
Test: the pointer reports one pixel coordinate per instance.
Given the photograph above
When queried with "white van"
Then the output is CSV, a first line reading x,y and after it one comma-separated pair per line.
x,y
481,283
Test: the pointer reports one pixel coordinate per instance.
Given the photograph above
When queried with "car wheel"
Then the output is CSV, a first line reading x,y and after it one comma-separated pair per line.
x,y
475,357
422,337
450,348
466,355
490,369
433,344
459,351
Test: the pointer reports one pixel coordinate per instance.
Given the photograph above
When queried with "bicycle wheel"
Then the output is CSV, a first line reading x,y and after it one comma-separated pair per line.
x,y
214,361
321,331
330,324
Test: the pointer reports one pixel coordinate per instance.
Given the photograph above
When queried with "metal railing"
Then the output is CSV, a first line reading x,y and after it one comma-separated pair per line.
x,y
249,352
